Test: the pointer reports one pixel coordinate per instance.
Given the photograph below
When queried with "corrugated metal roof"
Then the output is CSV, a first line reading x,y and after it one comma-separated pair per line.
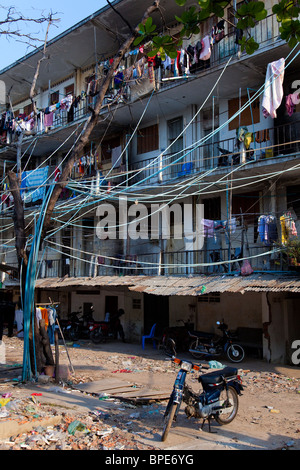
x,y
163,285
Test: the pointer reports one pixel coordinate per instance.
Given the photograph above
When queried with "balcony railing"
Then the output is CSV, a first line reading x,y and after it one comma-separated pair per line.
x,y
177,263
276,142
264,32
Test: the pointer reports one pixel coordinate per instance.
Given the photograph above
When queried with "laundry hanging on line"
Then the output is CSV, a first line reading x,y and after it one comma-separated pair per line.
x,y
33,184
288,227
273,91
267,229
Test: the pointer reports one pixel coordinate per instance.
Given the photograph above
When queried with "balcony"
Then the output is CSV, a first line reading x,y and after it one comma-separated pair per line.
x,y
177,263
265,33
272,143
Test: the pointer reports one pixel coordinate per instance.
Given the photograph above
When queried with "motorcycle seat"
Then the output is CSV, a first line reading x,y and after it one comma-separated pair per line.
x,y
201,334
217,376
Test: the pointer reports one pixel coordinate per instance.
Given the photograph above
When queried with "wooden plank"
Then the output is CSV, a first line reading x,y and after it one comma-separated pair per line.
x,y
118,389
106,386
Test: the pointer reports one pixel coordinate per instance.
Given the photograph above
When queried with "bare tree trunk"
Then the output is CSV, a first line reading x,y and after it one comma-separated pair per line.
x,y
18,219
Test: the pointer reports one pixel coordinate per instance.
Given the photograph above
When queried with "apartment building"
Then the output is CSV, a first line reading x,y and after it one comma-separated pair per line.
x,y
179,207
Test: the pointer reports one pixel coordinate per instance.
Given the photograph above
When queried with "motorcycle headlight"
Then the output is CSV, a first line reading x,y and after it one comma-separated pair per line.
x,y
186,366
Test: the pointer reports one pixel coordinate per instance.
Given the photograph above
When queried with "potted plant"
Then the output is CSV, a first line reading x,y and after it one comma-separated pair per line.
x,y
292,251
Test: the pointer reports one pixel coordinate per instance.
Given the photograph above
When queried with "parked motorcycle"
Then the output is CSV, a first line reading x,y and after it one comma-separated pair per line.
x,y
101,332
79,327
215,345
218,400
179,334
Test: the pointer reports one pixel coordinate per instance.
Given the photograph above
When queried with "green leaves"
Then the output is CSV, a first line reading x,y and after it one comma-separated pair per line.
x,y
190,22
289,30
215,7
286,10
249,13
249,45
145,30
163,45
160,44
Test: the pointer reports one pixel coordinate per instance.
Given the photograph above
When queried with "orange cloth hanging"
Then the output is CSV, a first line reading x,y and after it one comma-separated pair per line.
x,y
44,313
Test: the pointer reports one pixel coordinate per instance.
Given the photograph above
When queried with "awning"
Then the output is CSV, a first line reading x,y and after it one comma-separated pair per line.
x,y
172,285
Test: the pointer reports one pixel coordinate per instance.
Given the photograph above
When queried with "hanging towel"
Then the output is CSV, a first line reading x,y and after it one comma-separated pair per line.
x,y
273,92
48,120
206,50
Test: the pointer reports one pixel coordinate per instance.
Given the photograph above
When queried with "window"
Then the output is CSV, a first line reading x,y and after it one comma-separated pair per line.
x,y
147,139
247,205
231,17
54,97
245,118
107,146
293,199
212,208
212,297
175,137
69,90
28,109
136,304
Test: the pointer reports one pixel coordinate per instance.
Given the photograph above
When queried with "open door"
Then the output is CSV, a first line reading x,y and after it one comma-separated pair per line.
x,y
156,310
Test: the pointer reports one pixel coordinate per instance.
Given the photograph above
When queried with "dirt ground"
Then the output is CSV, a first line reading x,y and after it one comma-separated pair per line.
x,y
268,416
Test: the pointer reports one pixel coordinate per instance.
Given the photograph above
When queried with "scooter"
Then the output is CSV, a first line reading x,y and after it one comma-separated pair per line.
x,y
215,345
219,398
179,334
79,327
101,332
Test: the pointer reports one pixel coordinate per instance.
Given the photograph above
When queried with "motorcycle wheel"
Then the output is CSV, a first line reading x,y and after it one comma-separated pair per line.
x,y
73,334
235,353
233,405
97,336
196,355
170,347
168,420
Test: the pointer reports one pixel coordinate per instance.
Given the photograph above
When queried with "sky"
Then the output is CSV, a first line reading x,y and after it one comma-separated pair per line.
x,y
70,12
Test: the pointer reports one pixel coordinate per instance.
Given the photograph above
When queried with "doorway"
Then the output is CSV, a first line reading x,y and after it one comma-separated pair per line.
x,y
156,310
111,304
175,137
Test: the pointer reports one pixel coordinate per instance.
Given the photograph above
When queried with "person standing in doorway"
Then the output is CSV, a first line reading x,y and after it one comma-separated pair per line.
x,y
117,326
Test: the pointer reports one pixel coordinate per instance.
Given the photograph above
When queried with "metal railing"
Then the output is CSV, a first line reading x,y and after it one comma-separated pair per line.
x,y
274,142
264,32
175,263
168,263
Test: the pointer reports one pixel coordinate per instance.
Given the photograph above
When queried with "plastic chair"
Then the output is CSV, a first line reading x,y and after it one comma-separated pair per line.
x,y
150,336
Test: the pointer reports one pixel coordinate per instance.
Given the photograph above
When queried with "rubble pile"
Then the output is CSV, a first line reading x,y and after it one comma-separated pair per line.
x,y
271,381
116,430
